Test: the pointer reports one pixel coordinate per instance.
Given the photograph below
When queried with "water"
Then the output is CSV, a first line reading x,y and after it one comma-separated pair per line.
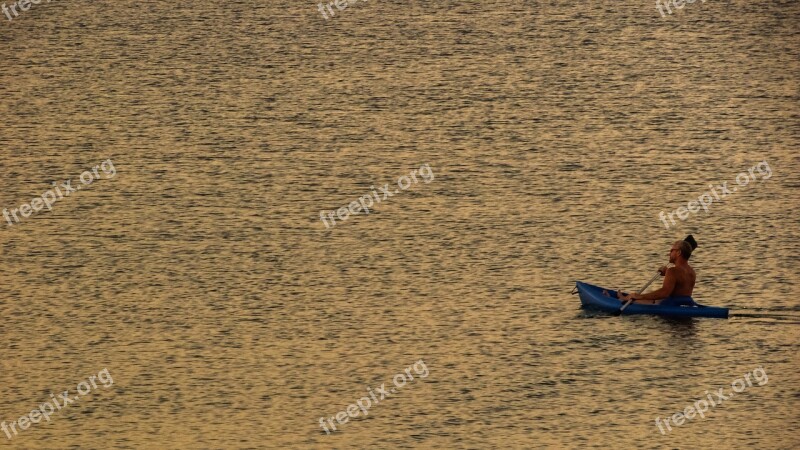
x,y
203,279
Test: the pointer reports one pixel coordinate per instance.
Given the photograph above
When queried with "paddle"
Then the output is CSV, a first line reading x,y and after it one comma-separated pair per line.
x,y
691,242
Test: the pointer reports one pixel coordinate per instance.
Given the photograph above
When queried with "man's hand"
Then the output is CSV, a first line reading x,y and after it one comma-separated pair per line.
x,y
663,270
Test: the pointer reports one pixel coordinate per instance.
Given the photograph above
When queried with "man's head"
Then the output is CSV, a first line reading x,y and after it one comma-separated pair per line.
x,y
680,250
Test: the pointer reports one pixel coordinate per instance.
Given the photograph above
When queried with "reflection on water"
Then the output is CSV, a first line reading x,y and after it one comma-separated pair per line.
x,y
230,317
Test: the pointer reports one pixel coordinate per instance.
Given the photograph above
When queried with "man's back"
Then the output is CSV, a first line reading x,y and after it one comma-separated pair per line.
x,y
684,280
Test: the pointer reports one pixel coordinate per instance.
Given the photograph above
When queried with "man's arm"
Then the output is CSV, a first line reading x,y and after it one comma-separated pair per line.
x,y
665,290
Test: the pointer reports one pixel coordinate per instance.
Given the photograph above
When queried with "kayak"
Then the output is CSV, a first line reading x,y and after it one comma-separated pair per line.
x,y
592,298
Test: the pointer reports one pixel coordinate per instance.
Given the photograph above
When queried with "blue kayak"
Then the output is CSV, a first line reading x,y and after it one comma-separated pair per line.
x,y
592,298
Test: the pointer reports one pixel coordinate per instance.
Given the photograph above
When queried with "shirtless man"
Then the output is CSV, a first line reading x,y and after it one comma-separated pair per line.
x,y
678,282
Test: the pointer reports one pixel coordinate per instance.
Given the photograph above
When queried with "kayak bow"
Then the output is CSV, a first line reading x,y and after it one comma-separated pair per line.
x,y
592,298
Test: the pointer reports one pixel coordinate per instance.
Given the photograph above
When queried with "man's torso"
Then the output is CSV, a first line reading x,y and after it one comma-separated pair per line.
x,y
684,281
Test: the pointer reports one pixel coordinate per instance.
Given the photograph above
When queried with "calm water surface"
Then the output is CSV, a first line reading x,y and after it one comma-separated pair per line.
x,y
203,279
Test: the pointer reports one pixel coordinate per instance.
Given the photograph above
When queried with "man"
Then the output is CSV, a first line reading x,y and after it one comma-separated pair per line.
x,y
678,281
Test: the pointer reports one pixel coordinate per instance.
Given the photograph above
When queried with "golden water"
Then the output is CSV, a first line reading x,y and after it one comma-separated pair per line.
x,y
203,279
